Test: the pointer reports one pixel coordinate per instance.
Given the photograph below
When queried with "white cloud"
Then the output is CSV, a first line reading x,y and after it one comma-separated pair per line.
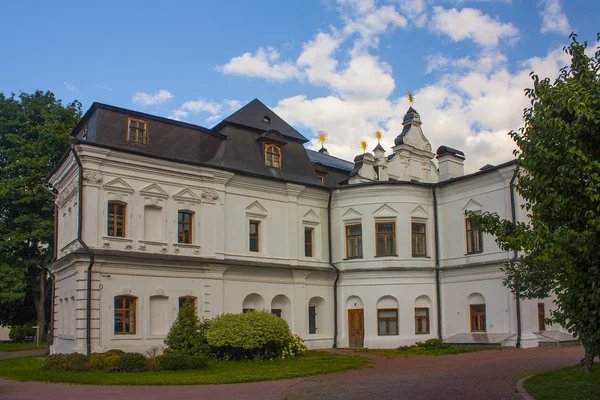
x,y
70,87
146,99
470,23
554,20
214,109
261,64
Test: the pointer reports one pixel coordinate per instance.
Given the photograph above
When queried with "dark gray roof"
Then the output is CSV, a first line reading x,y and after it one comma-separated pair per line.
x,y
442,150
378,147
329,161
252,115
400,138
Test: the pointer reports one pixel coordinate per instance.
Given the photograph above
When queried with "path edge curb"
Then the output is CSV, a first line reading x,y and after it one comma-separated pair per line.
x,y
521,389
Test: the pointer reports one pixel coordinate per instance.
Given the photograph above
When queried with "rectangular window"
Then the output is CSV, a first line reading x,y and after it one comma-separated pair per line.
x,y
84,132
116,219
478,318
354,241
184,227
125,315
386,239
541,317
421,321
419,239
387,321
136,131
184,299
308,242
474,237
254,237
312,319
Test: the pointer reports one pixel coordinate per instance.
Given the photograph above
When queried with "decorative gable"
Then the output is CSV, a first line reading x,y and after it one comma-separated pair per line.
x,y
154,190
385,211
351,214
472,205
118,185
311,216
419,212
186,195
256,209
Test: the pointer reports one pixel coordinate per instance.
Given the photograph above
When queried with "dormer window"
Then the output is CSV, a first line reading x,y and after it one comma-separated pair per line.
x,y
136,131
266,120
84,131
272,155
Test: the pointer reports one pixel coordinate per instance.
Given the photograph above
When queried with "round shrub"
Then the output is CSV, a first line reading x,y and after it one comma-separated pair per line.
x,y
132,362
178,362
20,333
255,334
294,347
67,362
108,361
187,334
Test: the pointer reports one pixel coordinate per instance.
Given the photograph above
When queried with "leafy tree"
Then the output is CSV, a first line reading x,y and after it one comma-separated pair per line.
x,y
187,334
559,179
34,135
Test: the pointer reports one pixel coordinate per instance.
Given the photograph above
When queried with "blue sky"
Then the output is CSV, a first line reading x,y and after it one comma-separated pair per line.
x,y
343,66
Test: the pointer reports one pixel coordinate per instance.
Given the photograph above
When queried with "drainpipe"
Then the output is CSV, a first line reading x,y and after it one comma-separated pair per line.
x,y
337,272
88,316
514,259
437,263
53,193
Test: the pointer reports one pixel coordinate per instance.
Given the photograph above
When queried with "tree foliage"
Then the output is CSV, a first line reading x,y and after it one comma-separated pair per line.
x,y
558,177
34,135
187,334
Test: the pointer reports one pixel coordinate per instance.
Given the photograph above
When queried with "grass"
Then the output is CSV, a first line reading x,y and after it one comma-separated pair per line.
x,y
6,347
418,351
565,384
312,363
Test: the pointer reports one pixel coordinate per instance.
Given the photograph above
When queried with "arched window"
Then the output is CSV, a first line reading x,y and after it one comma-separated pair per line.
x,y
272,156
184,227
125,315
116,218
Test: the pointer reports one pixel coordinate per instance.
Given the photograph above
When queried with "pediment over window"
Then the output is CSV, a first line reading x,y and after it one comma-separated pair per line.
x,y
119,185
351,214
311,216
256,209
154,190
187,195
419,212
472,205
385,211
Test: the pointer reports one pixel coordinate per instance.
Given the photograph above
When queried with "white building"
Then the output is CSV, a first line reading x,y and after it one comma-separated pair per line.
x,y
375,253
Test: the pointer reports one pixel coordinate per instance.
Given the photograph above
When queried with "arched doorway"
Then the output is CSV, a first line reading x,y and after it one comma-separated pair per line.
x,y
356,321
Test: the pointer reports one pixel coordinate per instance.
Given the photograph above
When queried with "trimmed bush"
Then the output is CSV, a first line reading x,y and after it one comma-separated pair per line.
x,y
187,334
178,362
294,347
20,333
67,362
132,362
108,361
251,335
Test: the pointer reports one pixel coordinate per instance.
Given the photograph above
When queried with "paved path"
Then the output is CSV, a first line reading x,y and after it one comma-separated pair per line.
x,y
482,375
22,353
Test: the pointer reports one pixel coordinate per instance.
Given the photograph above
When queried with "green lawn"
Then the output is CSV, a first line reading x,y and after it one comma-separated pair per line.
x,y
10,346
418,351
312,363
565,384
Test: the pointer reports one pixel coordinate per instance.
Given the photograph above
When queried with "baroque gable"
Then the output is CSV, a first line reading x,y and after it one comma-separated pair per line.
x,y
119,185
154,190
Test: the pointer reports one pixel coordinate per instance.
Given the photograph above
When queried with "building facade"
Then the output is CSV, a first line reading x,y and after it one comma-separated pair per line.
x,y
375,253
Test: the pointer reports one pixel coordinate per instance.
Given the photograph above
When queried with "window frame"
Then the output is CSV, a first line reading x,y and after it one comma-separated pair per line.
x,y
478,314
185,298
387,322
114,214
183,224
310,244
419,318
468,230
250,237
137,129
359,252
392,234
424,235
124,309
84,132
316,320
271,163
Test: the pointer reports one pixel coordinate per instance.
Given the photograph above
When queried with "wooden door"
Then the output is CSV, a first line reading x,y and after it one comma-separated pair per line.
x,y
356,327
541,317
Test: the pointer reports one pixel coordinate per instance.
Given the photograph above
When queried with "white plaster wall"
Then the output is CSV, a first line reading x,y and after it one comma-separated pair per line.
x,y
68,307
4,330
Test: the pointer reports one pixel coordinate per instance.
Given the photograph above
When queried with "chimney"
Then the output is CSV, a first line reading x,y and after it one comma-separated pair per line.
x,y
380,163
363,169
451,163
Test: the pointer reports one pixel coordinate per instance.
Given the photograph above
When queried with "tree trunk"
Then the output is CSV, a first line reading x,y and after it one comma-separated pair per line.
x,y
587,361
40,301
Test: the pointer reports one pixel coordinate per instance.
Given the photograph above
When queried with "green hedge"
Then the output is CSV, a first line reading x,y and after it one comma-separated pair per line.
x,y
178,362
19,333
132,362
251,335
68,362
